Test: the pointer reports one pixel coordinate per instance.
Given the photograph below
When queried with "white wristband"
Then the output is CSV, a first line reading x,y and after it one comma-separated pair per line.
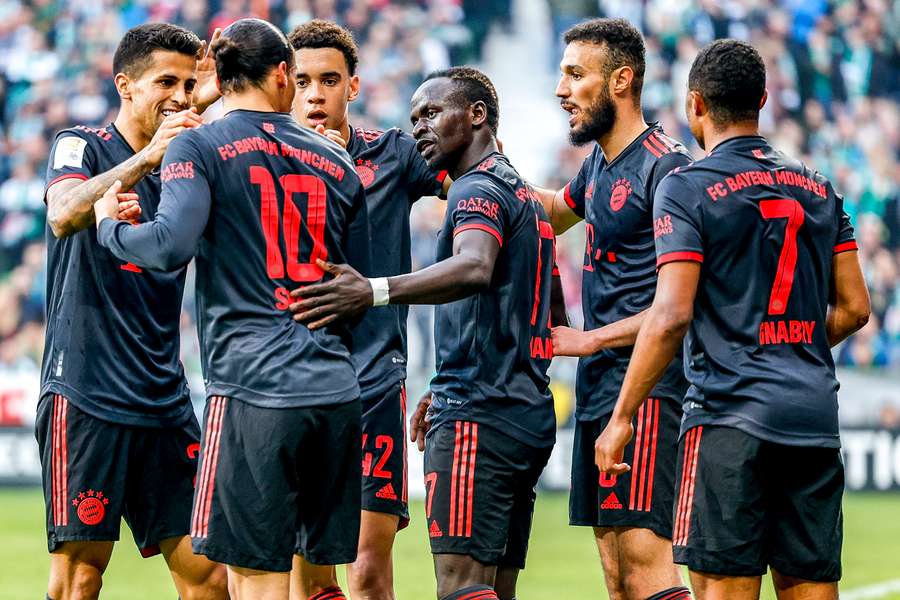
x,y
381,293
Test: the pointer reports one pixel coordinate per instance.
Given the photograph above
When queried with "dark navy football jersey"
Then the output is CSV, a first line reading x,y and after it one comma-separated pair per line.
x,y
112,341
493,348
765,228
619,273
258,199
395,175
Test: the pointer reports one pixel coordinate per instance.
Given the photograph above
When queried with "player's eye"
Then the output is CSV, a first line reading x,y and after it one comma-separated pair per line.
x,y
431,113
331,82
302,84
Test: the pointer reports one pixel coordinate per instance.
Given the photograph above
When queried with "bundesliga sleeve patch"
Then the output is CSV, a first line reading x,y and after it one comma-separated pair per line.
x,y
69,152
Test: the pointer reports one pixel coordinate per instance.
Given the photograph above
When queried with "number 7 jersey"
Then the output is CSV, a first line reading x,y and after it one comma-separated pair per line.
x,y
258,199
765,228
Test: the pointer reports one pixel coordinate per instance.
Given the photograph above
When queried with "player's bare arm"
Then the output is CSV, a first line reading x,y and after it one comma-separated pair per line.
x,y
657,343
850,307
561,216
467,272
70,202
568,341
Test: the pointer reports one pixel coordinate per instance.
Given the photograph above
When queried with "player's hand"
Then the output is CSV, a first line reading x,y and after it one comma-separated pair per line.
x,y
207,90
345,296
420,421
332,134
107,207
570,342
609,449
129,207
170,127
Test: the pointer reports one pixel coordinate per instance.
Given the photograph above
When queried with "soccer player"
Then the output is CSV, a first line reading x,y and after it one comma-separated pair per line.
x,y
115,426
757,263
395,175
602,73
258,199
492,424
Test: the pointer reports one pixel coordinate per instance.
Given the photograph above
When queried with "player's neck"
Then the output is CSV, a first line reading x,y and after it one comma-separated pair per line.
x,y
131,130
344,128
480,147
629,125
251,99
712,137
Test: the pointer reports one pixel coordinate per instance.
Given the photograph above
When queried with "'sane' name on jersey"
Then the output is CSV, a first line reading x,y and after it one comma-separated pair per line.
x,y
765,228
493,348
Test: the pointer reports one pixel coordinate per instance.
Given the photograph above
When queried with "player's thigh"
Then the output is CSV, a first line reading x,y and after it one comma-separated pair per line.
x,y
84,466
160,486
470,476
376,535
806,521
69,557
721,502
709,586
795,588
328,460
193,571
384,459
246,502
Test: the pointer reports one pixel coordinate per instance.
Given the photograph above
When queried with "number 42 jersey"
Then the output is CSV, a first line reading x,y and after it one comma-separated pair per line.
x,y
765,228
258,199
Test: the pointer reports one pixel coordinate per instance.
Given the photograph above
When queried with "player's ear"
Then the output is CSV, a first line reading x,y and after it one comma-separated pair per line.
x,y
123,86
620,80
283,74
765,97
696,104
478,111
354,89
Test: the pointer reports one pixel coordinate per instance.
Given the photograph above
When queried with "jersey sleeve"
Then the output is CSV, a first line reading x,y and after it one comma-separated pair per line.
x,y
677,222
575,190
475,203
72,157
846,240
422,179
170,240
665,165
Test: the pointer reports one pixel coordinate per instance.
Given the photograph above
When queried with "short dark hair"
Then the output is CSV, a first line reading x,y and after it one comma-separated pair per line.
x,y
133,55
247,51
731,77
623,43
471,86
325,34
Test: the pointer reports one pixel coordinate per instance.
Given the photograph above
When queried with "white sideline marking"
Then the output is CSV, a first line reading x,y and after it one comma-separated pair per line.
x,y
878,590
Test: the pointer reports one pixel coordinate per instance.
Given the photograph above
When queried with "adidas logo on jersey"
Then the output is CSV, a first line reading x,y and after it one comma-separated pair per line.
x,y
386,493
434,530
611,502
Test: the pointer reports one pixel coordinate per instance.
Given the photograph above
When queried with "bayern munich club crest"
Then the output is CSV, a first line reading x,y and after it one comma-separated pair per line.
x,y
620,192
90,506
366,171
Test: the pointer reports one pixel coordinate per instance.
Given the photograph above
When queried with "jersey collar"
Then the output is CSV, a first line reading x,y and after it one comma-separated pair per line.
x,y
651,127
739,142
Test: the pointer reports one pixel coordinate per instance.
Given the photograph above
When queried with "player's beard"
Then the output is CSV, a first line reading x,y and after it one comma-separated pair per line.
x,y
599,119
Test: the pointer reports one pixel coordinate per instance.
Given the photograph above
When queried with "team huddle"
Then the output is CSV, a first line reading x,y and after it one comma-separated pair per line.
x,y
720,453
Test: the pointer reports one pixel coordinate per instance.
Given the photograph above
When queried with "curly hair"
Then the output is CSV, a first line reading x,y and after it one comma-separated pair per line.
x,y
472,86
731,77
623,43
325,34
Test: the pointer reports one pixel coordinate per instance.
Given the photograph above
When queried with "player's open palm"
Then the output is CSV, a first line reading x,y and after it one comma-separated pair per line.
x,y
171,126
207,89
346,295
609,449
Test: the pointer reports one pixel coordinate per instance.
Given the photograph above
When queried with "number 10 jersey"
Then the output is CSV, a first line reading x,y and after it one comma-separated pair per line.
x,y
765,228
258,199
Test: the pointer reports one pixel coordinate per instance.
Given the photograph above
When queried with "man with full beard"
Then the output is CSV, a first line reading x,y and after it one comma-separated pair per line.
x,y
602,74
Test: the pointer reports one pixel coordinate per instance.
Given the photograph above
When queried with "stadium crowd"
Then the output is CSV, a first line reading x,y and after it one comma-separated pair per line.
x,y
833,91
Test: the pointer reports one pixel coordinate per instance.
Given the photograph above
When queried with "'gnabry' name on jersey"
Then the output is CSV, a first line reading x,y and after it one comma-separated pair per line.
x,y
284,196
759,356
112,328
395,175
619,273
493,349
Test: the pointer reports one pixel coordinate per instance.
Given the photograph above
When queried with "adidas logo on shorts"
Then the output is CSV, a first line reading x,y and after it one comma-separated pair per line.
x,y
611,502
386,493
435,530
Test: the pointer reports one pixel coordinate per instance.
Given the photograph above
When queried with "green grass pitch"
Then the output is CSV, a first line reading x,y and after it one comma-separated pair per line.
x,y
562,562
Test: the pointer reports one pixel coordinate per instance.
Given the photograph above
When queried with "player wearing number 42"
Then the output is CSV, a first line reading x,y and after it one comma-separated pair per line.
x,y
258,198
757,264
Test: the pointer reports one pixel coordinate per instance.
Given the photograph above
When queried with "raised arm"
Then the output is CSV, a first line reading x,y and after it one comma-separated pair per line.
x,y
70,202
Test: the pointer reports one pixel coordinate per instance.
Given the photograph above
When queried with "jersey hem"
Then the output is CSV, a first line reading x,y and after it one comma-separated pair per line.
x,y
259,400
98,411
504,426
760,432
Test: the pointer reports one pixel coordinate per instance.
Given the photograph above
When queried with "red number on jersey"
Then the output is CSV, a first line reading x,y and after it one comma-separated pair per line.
x,y
787,261
314,188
